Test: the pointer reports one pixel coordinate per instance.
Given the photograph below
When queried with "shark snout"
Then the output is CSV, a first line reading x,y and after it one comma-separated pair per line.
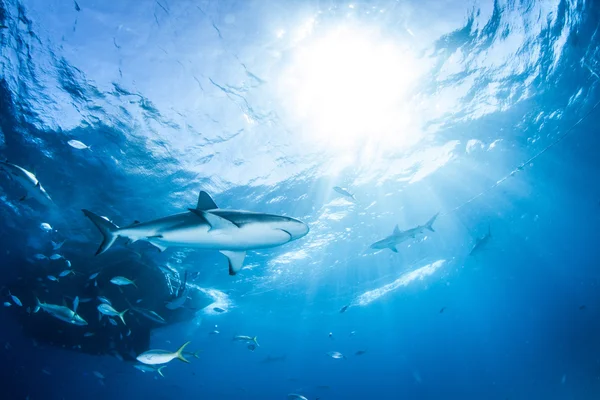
x,y
296,228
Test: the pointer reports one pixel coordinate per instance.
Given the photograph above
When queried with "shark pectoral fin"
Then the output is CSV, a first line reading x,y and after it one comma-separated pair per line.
x,y
160,247
205,202
236,260
213,220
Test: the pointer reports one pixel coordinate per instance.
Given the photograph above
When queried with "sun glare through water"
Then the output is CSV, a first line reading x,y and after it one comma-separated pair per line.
x,y
350,89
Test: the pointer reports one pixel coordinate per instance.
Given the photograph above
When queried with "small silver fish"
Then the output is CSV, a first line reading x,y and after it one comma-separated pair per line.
x,y
45,226
56,257
52,278
215,332
68,263
7,304
88,334
336,354
75,304
109,311
103,299
15,299
76,144
149,368
296,396
218,309
344,192
98,375
122,281
242,338
65,273
112,321
157,357
93,276
40,257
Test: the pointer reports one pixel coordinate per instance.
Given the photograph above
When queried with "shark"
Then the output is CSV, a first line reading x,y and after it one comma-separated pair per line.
x,y
28,181
481,242
231,232
399,236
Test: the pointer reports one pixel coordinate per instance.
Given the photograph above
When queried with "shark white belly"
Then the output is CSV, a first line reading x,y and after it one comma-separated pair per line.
x,y
249,237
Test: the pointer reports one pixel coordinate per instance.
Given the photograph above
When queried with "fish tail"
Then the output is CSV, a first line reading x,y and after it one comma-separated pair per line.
x,y
160,370
180,352
38,305
121,315
255,340
106,228
196,354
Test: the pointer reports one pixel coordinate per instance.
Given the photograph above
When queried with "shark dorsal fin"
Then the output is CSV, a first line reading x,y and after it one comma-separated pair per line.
x,y
396,230
205,202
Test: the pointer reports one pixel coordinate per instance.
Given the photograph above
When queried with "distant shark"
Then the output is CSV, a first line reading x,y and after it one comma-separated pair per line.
x,y
231,232
399,236
481,242
28,181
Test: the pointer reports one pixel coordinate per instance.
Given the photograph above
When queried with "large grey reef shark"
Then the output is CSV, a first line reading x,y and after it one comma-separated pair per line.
x,y
232,232
399,236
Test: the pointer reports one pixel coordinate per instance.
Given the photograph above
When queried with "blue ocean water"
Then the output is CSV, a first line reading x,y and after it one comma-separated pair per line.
x,y
484,112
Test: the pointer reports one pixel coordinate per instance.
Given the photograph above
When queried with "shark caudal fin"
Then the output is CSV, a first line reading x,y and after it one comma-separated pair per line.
x,y
180,352
255,340
106,228
429,224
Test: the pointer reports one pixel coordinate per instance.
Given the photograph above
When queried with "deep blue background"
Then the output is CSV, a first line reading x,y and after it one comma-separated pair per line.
x,y
512,327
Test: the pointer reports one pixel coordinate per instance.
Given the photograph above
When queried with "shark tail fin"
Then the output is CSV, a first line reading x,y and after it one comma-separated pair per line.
x,y
121,315
180,352
255,340
429,224
107,228
160,370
